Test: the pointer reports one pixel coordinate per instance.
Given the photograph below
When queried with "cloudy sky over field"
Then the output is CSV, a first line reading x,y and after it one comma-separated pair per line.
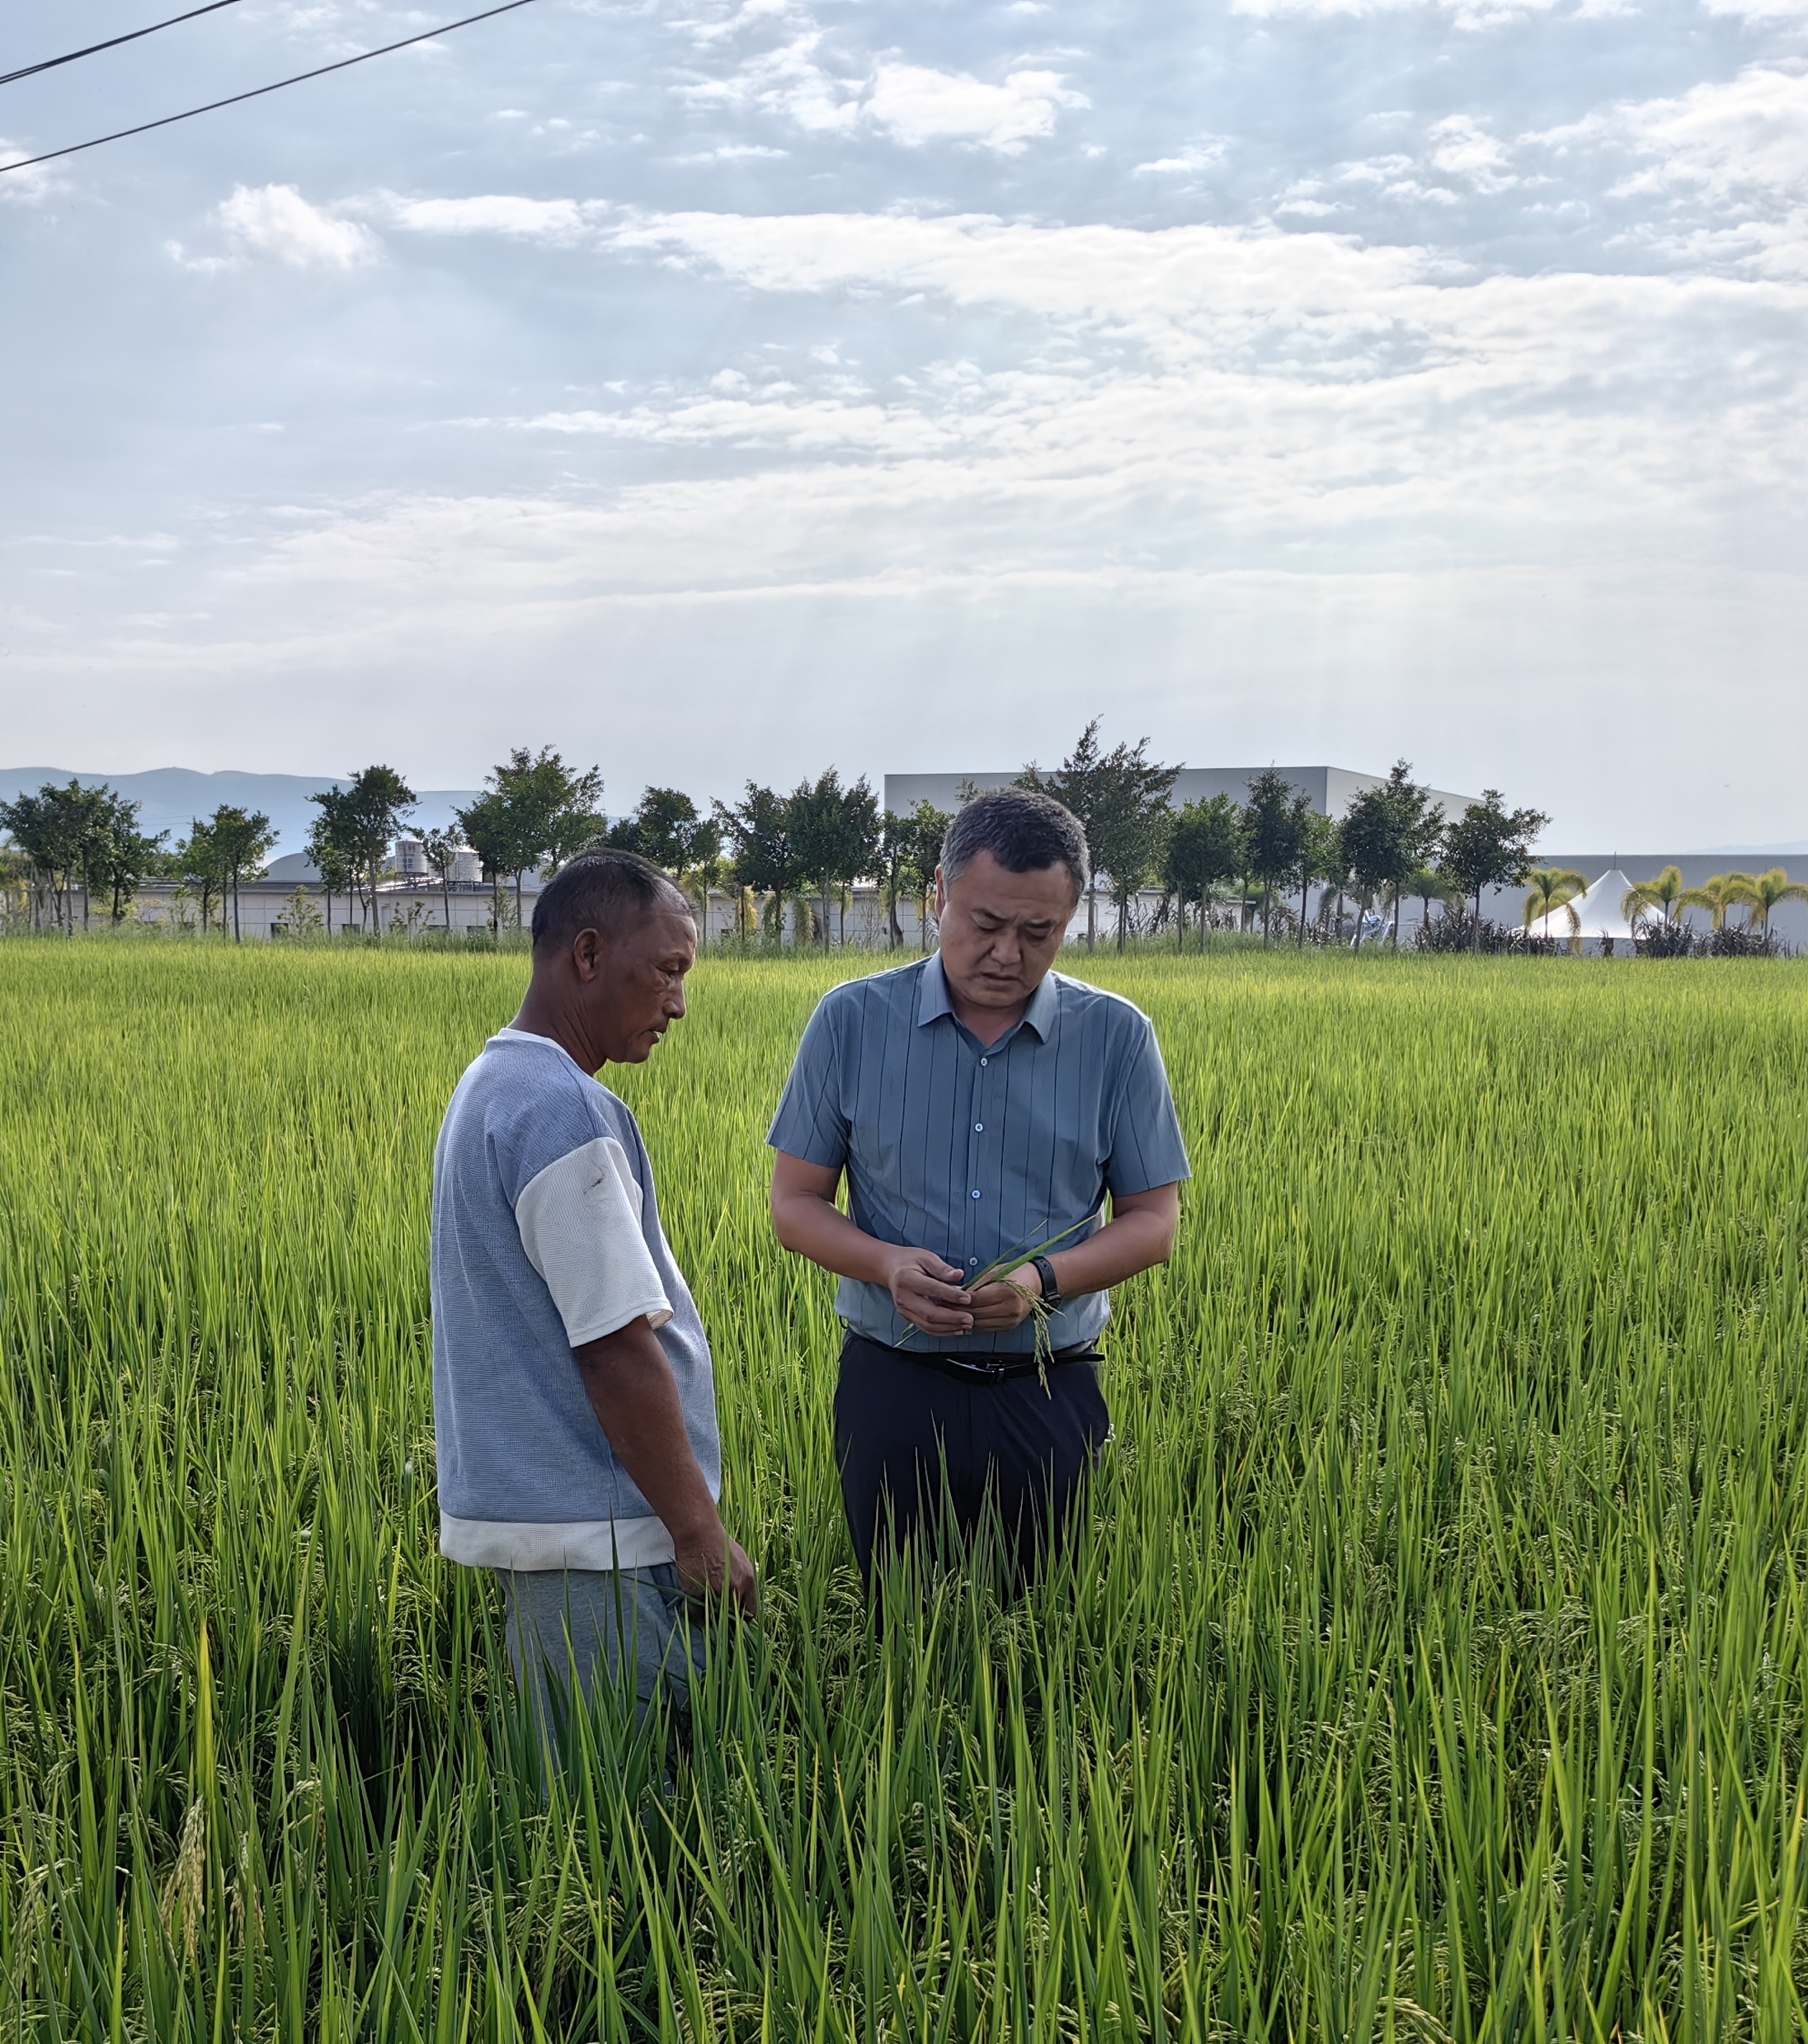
x,y
724,388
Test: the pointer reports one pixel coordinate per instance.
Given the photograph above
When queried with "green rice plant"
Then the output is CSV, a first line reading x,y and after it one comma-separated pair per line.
x,y
1430,1664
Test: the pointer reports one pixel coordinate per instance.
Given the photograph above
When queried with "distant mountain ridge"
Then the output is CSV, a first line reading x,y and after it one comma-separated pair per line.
x,y
171,798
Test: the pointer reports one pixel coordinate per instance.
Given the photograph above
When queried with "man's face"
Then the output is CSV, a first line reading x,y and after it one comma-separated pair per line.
x,y
1000,930
633,986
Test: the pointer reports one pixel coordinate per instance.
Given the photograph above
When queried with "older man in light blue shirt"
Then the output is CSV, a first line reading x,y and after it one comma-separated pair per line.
x,y
984,1110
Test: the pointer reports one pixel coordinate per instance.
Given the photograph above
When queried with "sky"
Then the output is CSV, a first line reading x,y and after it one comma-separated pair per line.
x,y
725,389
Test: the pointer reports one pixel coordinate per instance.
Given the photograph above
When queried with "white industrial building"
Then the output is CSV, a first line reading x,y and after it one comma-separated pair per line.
x,y
1330,789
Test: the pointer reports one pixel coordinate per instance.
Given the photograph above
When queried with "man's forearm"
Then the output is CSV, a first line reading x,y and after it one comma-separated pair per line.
x,y
635,1398
818,1229
1139,1235
1130,1243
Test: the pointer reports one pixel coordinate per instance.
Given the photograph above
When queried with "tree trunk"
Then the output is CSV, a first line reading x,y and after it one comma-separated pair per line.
x,y
1092,912
236,937
1305,888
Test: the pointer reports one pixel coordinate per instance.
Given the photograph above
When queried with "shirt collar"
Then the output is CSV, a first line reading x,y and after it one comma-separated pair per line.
x,y
933,1002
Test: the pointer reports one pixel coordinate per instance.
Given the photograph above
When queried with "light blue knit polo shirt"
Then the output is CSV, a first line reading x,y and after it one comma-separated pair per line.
x,y
546,1236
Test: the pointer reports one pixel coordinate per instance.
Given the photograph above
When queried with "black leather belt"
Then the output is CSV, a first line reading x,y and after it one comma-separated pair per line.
x,y
984,1369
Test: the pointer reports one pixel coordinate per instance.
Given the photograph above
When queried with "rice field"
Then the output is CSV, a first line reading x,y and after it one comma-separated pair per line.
x,y
1432,1666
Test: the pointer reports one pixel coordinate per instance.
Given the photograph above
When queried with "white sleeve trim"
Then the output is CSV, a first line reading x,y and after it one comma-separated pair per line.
x,y
580,1224
585,1544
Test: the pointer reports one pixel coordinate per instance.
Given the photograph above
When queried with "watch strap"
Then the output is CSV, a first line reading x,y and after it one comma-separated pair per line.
x,y
1050,1284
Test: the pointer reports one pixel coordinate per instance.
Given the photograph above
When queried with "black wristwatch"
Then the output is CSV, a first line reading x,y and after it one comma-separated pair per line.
x,y
1050,1284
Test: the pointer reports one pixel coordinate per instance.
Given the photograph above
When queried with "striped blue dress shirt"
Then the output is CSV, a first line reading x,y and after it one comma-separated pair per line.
x,y
979,1152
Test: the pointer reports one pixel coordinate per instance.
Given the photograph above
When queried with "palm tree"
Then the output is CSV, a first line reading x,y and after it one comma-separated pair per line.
x,y
1717,895
1663,895
1762,895
1549,888
1430,886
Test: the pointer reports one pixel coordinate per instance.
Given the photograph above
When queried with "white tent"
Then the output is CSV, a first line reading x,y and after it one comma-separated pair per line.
x,y
1599,914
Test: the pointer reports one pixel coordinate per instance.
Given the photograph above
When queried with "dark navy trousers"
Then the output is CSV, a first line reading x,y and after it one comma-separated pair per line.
x,y
925,1455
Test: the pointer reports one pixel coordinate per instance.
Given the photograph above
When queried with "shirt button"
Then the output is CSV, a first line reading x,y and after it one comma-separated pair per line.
x,y
979,1128
976,1192
985,1061
972,1263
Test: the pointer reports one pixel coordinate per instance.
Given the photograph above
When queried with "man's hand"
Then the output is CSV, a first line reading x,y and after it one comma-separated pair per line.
x,y
635,1398
1009,1301
927,1292
708,1559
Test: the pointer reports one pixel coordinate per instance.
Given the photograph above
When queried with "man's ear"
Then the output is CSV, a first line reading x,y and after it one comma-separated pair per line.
x,y
587,949
941,893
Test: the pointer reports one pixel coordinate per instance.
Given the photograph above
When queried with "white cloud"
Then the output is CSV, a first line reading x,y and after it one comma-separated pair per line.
x,y
1760,10
731,152
1725,163
1467,14
1461,147
913,105
274,224
1235,389
1742,141
23,188
563,221
1188,163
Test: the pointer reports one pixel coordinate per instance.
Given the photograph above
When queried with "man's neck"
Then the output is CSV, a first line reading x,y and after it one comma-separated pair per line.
x,y
987,1024
541,1017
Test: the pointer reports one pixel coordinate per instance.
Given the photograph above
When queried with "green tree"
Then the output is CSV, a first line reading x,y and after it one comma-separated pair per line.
x,y
489,827
362,820
243,840
834,834
577,822
1762,894
1489,845
910,849
669,829
15,888
1130,822
1549,888
663,829
758,832
120,857
1078,784
1205,848
862,838
1663,893
441,849
200,860
1428,885
1389,833
1274,835
535,811
55,830
327,843
927,827
1320,858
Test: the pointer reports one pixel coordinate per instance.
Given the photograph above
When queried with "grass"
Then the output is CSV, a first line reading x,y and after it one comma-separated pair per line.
x,y
1432,1666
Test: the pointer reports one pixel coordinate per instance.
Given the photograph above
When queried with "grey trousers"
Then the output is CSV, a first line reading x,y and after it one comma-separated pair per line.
x,y
631,1628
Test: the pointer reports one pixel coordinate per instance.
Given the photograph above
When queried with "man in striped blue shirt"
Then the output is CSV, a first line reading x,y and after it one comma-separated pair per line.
x,y
984,1110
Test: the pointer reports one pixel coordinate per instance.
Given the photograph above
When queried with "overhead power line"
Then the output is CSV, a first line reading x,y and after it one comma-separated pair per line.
x,y
301,77
113,42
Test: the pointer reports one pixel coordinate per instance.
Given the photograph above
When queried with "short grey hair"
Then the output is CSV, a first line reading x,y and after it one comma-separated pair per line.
x,y
1023,831
607,890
